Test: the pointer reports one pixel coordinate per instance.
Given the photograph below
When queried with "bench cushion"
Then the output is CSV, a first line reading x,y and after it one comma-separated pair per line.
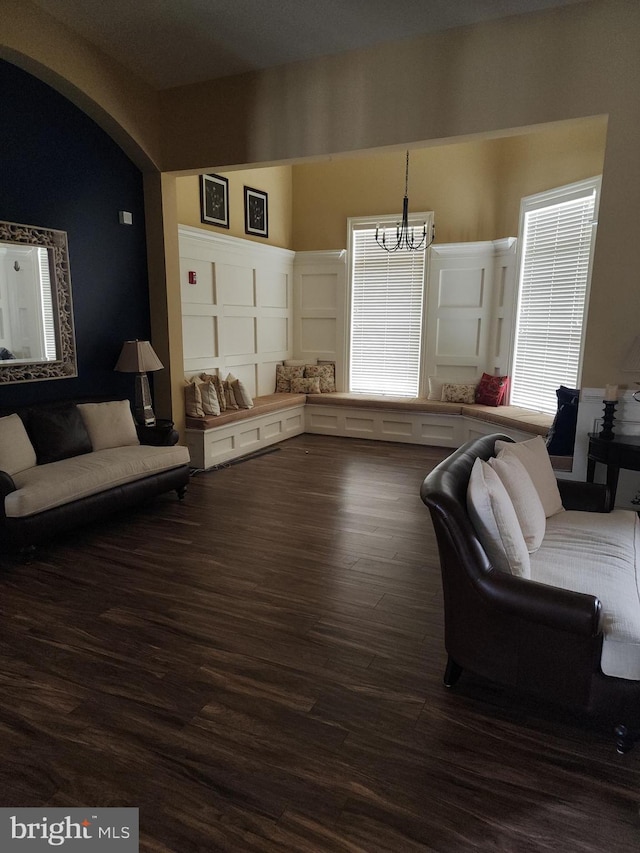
x,y
261,406
46,486
595,553
379,401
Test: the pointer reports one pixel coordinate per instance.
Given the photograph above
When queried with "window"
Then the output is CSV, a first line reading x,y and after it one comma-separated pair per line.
x,y
558,231
387,298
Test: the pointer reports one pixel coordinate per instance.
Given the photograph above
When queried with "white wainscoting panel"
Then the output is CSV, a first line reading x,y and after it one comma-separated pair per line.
x,y
238,317
320,309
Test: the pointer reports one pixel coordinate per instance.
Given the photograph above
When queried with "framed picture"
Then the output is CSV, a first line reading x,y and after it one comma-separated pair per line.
x,y
256,219
214,200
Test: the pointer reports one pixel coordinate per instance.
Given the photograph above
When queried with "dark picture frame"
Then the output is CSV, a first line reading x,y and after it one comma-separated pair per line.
x,y
256,214
214,200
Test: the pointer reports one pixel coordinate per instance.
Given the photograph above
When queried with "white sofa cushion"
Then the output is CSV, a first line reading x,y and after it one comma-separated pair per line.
x,y
596,553
16,450
46,486
524,497
535,458
495,521
109,424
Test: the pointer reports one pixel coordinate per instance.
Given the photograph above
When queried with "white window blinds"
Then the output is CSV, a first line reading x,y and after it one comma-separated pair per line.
x,y
387,295
557,232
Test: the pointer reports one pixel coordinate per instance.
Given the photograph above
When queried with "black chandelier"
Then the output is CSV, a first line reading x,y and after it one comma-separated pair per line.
x,y
405,238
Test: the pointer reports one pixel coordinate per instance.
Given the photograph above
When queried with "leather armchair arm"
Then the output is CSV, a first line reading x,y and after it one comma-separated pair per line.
x,y
6,486
529,601
588,497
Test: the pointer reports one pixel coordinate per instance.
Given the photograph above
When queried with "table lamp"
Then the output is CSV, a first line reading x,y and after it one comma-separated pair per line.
x,y
138,357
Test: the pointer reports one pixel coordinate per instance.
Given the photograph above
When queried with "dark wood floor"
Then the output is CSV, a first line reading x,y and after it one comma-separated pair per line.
x,y
259,669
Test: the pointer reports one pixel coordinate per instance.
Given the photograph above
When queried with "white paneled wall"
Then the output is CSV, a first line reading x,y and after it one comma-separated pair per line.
x,y
470,295
237,317
321,310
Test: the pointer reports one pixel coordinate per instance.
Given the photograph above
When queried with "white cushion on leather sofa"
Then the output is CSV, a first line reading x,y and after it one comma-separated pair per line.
x,y
535,458
595,553
495,521
524,497
109,424
16,450
46,486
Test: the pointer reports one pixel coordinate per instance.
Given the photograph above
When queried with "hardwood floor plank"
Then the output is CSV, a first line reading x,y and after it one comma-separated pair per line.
x,y
259,668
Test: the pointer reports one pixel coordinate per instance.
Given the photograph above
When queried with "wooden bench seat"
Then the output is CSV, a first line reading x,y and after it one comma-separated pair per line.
x,y
274,417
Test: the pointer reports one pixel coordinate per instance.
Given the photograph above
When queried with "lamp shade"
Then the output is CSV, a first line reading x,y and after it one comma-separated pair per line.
x,y
137,357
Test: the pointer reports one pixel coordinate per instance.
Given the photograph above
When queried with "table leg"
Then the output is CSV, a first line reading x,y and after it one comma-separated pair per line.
x,y
613,472
591,469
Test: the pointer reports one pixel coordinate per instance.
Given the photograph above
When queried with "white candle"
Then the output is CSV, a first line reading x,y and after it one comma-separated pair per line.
x,y
611,393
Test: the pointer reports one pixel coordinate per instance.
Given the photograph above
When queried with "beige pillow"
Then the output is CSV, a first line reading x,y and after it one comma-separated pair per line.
x,y
495,521
435,388
16,451
299,362
310,385
284,375
242,396
454,392
109,424
219,386
192,398
326,373
533,455
209,398
524,498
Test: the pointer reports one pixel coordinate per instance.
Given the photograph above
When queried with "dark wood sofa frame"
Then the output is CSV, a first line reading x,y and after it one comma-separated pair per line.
x,y
513,631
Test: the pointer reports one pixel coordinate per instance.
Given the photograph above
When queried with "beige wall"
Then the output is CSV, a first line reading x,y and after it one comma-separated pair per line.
x,y
582,60
545,159
275,181
474,188
126,107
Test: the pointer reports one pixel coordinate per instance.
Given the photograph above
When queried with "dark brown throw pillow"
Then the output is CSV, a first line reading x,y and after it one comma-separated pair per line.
x,y
57,432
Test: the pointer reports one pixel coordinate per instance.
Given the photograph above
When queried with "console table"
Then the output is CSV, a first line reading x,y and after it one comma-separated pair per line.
x,y
616,453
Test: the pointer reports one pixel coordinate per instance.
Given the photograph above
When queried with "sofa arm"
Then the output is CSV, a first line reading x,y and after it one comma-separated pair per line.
x,y
6,487
588,497
560,609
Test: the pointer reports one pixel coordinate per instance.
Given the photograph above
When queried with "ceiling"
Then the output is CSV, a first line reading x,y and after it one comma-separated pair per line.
x,y
174,42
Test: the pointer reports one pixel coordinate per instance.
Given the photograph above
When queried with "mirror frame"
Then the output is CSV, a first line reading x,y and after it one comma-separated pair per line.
x,y
65,366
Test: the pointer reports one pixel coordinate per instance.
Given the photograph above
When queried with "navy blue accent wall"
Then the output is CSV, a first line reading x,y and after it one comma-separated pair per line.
x,y
58,169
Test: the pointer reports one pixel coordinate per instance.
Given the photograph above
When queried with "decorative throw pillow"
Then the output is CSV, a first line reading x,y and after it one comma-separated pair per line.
x,y
534,456
285,374
219,388
229,396
310,385
491,390
192,398
435,388
495,521
209,398
16,451
299,362
242,396
562,435
109,424
326,373
524,497
58,432
458,393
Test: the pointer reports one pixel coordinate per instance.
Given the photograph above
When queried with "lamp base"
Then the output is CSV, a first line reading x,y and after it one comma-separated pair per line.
x,y
142,410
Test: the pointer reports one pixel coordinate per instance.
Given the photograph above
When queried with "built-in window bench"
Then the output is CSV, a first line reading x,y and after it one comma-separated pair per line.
x,y
217,439
214,440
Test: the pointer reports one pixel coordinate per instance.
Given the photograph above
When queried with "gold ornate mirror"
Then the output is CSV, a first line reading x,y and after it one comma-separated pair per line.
x,y
37,339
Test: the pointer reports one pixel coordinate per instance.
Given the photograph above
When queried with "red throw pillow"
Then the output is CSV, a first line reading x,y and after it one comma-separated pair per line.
x,y
492,390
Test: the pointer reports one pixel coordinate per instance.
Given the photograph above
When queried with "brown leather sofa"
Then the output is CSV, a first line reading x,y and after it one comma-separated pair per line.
x,y
57,434
518,633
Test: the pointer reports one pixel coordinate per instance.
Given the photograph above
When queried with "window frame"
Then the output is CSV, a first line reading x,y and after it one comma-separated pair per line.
x,y
539,201
389,221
